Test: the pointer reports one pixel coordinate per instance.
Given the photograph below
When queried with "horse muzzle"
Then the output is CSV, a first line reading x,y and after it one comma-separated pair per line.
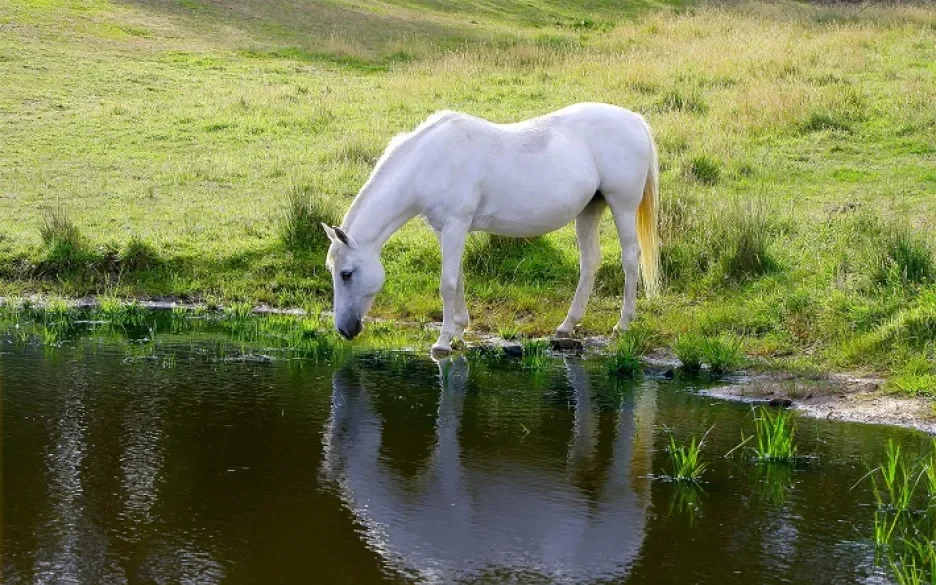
x,y
350,328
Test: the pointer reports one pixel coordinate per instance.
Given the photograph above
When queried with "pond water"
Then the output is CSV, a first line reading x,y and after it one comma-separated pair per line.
x,y
181,466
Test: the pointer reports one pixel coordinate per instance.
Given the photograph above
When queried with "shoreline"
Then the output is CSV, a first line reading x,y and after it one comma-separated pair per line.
x,y
833,396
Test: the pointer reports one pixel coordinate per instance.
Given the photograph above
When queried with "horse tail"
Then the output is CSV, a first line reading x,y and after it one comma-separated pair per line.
x,y
648,217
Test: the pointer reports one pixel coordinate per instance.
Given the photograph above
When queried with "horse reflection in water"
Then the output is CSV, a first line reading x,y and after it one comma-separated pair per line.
x,y
465,517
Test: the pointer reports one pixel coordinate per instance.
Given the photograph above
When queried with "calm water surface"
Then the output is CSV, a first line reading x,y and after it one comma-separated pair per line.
x,y
182,467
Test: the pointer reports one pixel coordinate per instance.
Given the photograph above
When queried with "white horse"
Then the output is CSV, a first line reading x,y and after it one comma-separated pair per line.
x,y
464,174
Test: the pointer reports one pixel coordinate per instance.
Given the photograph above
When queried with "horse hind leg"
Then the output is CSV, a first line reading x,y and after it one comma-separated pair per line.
x,y
625,219
461,317
586,230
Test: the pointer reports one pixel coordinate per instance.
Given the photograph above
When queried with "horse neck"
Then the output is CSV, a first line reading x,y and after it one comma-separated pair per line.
x,y
376,214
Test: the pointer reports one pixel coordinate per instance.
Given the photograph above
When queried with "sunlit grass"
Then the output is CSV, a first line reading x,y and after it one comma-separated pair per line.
x,y
688,349
686,459
903,528
774,438
245,136
623,359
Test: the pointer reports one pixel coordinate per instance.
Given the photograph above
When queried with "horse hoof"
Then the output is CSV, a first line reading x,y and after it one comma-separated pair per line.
x,y
566,344
441,350
618,330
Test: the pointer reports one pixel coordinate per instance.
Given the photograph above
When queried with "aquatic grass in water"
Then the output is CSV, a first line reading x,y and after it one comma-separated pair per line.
x,y
239,311
121,314
775,434
686,500
906,571
624,357
57,322
535,354
898,483
774,481
902,533
686,459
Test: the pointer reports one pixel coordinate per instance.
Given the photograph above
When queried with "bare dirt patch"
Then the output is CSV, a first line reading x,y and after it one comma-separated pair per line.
x,y
841,397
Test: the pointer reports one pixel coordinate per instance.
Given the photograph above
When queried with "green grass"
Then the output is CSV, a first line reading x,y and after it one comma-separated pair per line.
x,y
509,332
535,354
688,349
306,210
686,459
916,377
898,481
623,356
722,354
774,435
177,148
903,527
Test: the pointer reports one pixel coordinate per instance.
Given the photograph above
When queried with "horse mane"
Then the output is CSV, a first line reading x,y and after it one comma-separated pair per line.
x,y
398,145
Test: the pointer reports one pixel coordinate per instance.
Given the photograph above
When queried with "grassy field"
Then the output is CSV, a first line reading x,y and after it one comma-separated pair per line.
x,y
185,147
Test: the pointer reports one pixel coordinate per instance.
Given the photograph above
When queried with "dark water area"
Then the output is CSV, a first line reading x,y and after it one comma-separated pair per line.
x,y
180,467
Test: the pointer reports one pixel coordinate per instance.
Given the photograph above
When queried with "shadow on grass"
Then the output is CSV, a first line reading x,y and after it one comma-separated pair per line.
x,y
532,261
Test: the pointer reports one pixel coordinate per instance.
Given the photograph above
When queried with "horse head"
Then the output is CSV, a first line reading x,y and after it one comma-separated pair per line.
x,y
357,276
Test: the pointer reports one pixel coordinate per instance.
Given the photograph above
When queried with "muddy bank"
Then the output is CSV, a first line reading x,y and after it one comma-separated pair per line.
x,y
831,396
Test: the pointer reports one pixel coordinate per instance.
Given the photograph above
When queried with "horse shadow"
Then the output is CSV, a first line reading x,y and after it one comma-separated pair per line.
x,y
534,261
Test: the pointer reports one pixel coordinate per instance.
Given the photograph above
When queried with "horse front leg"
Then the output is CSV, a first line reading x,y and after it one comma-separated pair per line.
x,y
461,316
453,248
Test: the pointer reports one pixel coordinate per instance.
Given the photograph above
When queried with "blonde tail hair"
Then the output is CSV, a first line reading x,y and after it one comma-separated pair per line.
x,y
648,216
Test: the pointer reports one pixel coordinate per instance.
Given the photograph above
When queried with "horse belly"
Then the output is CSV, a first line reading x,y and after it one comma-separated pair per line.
x,y
524,213
527,196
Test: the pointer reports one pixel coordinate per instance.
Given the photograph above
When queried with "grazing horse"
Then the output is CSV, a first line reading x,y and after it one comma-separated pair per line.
x,y
464,174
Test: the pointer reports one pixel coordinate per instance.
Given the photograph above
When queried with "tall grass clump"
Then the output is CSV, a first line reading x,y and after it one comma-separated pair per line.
x,y
715,243
882,255
689,351
905,257
139,255
624,357
917,377
678,100
686,459
509,332
65,246
775,435
121,314
748,230
307,208
527,260
705,170
894,482
239,311
722,354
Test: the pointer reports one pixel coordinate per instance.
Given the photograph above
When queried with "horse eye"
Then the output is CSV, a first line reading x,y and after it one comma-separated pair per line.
x,y
346,275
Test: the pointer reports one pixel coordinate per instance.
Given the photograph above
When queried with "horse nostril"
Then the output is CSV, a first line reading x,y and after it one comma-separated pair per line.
x,y
357,328
343,333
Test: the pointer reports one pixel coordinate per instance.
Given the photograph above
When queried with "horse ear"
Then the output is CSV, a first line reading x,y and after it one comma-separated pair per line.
x,y
329,232
343,237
